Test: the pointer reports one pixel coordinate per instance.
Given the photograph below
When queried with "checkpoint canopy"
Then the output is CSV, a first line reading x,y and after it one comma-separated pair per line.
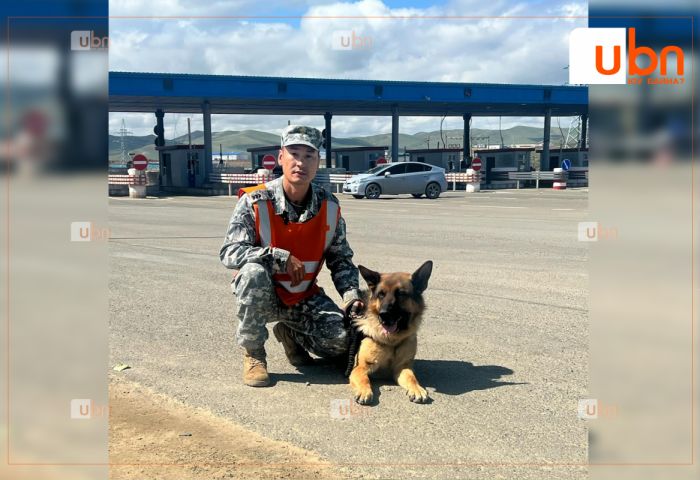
x,y
236,94
161,93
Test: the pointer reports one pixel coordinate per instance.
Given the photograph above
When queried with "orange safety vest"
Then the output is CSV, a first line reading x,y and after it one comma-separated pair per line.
x,y
307,241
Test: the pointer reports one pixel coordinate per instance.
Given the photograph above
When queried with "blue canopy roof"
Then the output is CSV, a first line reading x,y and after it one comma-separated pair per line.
x,y
229,94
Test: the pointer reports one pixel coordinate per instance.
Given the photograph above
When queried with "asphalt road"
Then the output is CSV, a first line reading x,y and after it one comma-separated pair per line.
x,y
502,351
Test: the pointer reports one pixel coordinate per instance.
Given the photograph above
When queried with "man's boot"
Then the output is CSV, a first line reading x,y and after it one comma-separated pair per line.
x,y
295,353
255,367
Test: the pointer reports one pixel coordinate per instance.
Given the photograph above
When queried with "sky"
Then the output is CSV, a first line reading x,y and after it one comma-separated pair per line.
x,y
483,50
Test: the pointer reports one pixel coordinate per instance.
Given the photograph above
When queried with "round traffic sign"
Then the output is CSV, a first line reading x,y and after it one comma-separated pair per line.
x,y
269,162
566,165
476,164
381,161
140,162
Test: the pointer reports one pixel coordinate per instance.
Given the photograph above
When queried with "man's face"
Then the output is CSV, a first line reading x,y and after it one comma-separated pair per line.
x,y
299,163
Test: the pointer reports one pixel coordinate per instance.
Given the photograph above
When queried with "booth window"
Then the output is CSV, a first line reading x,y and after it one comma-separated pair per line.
x,y
505,160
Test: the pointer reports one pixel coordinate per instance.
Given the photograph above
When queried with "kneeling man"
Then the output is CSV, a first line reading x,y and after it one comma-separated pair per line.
x,y
278,238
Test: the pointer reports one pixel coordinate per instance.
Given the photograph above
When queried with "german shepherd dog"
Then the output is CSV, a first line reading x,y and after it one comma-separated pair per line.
x,y
389,327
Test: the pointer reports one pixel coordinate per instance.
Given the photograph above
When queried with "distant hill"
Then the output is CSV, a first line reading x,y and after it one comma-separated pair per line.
x,y
234,141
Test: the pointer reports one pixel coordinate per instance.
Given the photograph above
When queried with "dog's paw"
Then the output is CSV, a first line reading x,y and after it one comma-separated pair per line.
x,y
364,397
418,395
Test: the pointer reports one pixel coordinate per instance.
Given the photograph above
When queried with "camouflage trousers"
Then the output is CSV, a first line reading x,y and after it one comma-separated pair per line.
x,y
316,322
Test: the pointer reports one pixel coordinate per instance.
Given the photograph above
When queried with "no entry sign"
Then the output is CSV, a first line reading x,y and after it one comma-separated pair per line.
x,y
140,162
269,162
476,164
381,161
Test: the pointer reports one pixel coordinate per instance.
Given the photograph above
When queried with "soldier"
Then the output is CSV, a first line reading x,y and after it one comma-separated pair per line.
x,y
278,238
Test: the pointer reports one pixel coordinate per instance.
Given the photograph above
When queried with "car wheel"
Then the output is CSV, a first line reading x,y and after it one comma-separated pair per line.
x,y
373,191
417,195
433,190
359,196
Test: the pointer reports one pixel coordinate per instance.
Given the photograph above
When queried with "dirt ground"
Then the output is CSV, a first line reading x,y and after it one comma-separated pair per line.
x,y
146,428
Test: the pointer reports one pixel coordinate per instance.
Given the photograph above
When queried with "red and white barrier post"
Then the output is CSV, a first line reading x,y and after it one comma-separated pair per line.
x,y
138,190
560,184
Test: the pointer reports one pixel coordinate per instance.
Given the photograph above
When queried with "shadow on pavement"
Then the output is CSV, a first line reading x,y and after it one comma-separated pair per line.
x,y
452,377
449,377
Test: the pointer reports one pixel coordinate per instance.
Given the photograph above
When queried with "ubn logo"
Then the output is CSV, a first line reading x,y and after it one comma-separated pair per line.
x,y
345,408
86,40
593,408
596,56
86,409
86,231
346,40
592,232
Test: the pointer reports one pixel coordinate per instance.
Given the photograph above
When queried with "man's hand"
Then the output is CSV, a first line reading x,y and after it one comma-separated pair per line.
x,y
296,270
356,309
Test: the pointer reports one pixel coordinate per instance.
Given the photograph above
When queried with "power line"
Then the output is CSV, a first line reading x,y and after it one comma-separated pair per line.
x,y
123,134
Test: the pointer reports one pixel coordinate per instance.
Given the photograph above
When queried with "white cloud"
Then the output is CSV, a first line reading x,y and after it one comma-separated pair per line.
x,y
574,10
481,50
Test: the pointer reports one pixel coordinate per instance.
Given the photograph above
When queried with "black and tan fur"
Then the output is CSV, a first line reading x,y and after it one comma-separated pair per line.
x,y
392,299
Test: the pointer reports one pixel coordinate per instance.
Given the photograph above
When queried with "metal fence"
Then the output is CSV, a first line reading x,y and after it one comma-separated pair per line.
x,y
241,178
463,177
129,180
536,176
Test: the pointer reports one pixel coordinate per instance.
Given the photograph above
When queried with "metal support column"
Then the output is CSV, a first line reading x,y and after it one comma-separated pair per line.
x,y
327,116
395,133
207,160
160,140
545,142
466,142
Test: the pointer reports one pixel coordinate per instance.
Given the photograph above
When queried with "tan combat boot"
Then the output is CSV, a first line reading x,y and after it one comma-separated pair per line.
x,y
295,352
255,368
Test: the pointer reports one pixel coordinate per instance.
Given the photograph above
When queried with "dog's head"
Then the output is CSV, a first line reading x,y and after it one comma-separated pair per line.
x,y
396,298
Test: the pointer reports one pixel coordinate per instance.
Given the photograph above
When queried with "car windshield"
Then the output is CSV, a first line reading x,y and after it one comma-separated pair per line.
x,y
379,168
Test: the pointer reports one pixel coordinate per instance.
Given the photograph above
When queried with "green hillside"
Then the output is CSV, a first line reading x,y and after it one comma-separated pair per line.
x,y
236,141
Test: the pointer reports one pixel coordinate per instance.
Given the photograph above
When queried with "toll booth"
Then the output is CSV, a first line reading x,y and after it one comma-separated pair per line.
x,y
579,164
447,158
258,153
180,168
497,162
358,159
577,156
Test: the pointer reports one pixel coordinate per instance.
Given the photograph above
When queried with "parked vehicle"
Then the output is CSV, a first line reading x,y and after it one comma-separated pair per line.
x,y
414,178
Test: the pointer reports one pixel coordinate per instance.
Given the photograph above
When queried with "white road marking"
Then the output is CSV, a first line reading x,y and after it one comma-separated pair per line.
x,y
562,209
493,206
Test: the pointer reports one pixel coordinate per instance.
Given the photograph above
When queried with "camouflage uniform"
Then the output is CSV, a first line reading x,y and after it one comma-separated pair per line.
x,y
316,322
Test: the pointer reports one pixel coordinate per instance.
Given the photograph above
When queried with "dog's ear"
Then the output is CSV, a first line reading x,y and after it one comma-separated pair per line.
x,y
371,277
421,276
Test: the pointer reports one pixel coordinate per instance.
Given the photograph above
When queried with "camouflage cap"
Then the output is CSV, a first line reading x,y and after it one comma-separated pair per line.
x,y
301,135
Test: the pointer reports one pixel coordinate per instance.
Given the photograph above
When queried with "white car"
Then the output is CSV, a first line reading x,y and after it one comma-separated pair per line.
x,y
396,178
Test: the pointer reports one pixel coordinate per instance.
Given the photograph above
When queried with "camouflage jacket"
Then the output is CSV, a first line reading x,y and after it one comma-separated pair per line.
x,y
239,245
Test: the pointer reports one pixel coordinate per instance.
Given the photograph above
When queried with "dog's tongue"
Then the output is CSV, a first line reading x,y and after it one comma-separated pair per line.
x,y
389,329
